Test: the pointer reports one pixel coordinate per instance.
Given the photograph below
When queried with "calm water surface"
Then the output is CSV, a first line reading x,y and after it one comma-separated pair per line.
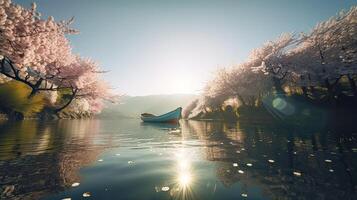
x,y
126,159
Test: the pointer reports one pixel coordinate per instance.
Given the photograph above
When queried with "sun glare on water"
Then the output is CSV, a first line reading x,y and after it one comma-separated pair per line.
x,y
184,169
184,179
183,176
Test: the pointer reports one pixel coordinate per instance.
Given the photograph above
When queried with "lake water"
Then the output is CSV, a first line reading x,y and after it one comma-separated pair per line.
x,y
127,159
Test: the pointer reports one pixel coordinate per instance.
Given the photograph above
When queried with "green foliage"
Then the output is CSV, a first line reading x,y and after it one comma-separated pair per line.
x,y
63,95
15,96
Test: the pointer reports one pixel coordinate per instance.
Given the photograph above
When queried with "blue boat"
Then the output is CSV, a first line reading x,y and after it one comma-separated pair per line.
x,y
170,117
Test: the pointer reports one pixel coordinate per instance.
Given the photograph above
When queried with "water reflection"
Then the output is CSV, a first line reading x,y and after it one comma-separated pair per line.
x,y
163,126
37,159
201,160
184,175
283,162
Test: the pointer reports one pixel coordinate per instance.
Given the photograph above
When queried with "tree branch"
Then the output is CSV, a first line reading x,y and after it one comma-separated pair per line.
x,y
73,96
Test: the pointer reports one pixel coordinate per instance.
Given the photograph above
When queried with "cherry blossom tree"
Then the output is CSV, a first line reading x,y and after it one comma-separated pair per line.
x,y
318,59
340,46
36,52
248,86
238,82
83,78
217,90
272,60
326,54
189,108
32,49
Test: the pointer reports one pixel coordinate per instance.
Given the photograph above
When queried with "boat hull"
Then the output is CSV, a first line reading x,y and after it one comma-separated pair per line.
x,y
170,117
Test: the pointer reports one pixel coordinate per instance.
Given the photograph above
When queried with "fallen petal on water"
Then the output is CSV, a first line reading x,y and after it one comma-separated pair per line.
x,y
100,160
271,161
75,184
331,170
67,198
249,164
237,151
86,194
241,171
244,195
130,162
175,131
8,190
165,188
297,173
235,164
118,154
328,161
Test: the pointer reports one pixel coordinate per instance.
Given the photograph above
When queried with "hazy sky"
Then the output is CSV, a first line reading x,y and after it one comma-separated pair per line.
x,y
167,46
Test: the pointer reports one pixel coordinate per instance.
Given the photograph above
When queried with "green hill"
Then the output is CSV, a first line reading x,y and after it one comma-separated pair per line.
x,y
156,104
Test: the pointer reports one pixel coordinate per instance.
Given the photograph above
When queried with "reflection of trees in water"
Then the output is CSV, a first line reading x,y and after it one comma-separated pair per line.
x,y
15,140
38,159
301,150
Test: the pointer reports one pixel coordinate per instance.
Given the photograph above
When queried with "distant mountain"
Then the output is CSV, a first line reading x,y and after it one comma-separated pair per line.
x,y
156,104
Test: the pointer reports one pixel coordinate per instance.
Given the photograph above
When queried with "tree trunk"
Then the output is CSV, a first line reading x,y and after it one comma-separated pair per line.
x,y
33,93
205,109
304,91
312,90
251,101
353,85
68,103
329,88
259,100
13,115
35,88
240,98
278,86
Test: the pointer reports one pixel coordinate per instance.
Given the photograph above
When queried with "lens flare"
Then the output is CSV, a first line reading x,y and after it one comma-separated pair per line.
x,y
283,106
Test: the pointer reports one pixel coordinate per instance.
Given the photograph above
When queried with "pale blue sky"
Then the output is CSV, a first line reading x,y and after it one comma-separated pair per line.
x,y
166,46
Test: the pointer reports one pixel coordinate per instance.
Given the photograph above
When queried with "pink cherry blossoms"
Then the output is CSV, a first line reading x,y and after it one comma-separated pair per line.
x,y
321,65
36,52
